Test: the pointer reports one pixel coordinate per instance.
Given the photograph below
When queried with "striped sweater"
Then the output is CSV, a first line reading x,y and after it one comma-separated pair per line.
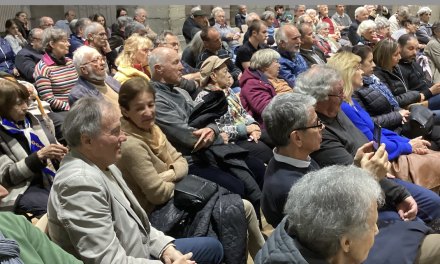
x,y
54,82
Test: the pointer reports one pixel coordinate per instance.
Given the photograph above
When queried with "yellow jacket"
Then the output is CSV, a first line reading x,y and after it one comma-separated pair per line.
x,y
127,72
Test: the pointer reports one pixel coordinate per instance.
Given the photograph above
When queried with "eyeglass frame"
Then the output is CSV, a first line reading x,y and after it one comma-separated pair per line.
x,y
95,61
319,124
337,95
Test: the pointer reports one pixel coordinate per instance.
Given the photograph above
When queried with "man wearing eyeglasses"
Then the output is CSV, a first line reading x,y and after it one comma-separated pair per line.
x,y
140,15
92,78
46,22
96,37
30,55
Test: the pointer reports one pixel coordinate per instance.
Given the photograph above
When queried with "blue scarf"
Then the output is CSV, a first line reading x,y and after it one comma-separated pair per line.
x,y
35,144
9,251
271,31
376,84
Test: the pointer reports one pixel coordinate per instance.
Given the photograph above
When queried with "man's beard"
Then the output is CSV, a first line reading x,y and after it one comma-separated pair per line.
x,y
408,58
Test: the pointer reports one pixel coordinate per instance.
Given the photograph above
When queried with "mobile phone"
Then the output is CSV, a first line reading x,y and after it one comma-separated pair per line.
x,y
376,136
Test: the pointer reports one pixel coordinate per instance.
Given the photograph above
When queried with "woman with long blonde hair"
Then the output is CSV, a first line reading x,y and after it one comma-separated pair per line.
x,y
133,61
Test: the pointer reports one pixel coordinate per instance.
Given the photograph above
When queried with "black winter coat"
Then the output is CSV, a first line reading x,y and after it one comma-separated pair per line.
x,y
378,107
223,217
395,83
308,57
415,78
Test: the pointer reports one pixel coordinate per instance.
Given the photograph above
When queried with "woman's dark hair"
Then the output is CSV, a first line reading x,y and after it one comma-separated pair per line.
x,y
277,7
118,11
383,52
95,18
18,14
9,93
131,88
436,27
362,51
9,23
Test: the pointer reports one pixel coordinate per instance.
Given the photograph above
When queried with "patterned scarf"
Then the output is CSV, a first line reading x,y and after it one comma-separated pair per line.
x,y
35,144
9,251
235,107
376,84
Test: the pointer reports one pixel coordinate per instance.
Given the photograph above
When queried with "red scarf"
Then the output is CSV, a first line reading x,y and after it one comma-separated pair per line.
x,y
142,69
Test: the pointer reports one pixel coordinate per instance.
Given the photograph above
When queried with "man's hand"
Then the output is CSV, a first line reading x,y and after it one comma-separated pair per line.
x,y
407,209
341,27
225,137
239,76
16,73
404,113
207,136
435,89
230,35
366,148
376,163
107,48
236,37
174,256
422,97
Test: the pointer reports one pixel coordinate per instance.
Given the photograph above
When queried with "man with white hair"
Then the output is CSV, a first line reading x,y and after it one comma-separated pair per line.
x,y
292,63
78,38
96,37
92,78
424,33
140,15
249,18
46,22
226,32
397,20
240,18
360,14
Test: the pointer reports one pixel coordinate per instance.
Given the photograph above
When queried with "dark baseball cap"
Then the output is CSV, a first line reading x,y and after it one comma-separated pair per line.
x,y
199,13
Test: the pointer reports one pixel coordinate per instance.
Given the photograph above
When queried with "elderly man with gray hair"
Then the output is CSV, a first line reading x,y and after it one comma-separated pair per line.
x,y
30,55
93,214
117,38
424,32
360,14
240,18
140,15
298,10
331,217
78,38
226,32
397,20
46,22
92,78
96,36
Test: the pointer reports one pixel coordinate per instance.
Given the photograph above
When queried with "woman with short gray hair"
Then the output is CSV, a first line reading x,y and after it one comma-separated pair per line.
x,y
269,18
382,27
367,33
424,33
55,74
259,83
322,31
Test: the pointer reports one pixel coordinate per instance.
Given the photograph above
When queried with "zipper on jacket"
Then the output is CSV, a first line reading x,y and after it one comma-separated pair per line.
x,y
404,84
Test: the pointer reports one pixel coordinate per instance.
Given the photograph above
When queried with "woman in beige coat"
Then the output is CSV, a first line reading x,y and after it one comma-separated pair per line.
x,y
432,51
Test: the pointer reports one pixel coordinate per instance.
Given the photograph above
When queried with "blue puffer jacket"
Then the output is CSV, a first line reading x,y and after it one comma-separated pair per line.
x,y
291,67
7,57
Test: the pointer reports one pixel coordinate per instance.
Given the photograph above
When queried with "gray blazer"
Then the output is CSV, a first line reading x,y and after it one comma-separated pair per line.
x,y
90,219
432,51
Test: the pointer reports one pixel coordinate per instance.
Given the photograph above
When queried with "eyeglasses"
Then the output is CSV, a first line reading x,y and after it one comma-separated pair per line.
x,y
97,60
337,95
318,125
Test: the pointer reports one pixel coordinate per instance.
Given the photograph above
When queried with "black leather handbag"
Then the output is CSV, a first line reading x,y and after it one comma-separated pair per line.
x,y
193,192
420,122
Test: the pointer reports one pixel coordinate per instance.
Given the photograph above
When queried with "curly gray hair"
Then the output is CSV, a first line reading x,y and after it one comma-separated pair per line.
x,y
317,81
266,15
381,22
424,10
52,35
328,204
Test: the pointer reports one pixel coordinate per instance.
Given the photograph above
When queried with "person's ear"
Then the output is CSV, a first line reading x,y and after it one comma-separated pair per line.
x,y
124,112
297,138
51,44
84,70
158,68
213,76
345,244
86,142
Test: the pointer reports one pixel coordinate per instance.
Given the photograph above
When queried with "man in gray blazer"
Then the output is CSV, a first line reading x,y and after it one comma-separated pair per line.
x,y
92,213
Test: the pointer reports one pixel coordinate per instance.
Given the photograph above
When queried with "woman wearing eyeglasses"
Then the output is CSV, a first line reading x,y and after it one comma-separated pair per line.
x,y
133,61
55,74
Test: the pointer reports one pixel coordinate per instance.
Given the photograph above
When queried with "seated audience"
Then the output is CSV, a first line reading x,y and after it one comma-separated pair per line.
x,y
130,29
382,27
13,36
312,14
397,20
360,14
99,18
342,20
133,61
288,45
190,81
241,127
261,82
30,55
342,136
89,192
22,23
269,18
311,53
140,15
226,32
386,56
174,108
78,38
374,11
25,243
192,27
149,164
240,18
410,27
92,79
46,22
424,32
250,17
26,154
117,38
120,12
322,41
64,24
258,36
97,38
412,72
305,19
211,21
432,51
55,74
189,24
193,50
283,16
7,60
333,29
72,26
352,219
275,21
367,33
213,46
298,10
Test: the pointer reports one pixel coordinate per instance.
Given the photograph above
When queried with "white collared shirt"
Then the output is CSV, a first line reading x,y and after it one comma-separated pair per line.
x,y
291,161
